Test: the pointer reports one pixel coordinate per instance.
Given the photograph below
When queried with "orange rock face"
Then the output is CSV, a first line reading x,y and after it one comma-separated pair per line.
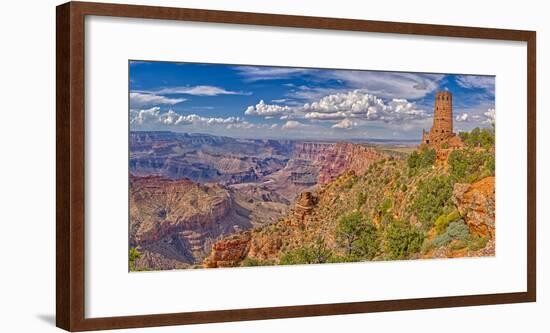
x,y
229,252
304,205
476,203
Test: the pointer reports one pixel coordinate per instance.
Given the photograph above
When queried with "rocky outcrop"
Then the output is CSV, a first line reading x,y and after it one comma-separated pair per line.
x,y
229,252
264,243
305,204
476,203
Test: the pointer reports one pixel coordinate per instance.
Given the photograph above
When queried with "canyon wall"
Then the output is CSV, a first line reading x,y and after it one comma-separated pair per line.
x,y
335,158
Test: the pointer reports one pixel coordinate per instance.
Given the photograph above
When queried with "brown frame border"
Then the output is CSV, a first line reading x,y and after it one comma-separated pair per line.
x,y
71,161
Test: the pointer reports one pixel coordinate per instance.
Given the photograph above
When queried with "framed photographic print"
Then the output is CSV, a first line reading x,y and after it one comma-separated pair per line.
x,y
223,166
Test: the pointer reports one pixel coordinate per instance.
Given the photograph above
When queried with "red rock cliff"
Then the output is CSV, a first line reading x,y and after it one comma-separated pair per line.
x,y
335,158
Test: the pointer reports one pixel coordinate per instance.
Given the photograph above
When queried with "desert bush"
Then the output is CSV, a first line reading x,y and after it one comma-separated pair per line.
x,y
385,205
469,165
421,159
433,198
368,244
250,262
316,253
479,137
343,258
402,240
361,199
442,222
427,245
351,182
348,230
133,254
357,236
457,230
477,243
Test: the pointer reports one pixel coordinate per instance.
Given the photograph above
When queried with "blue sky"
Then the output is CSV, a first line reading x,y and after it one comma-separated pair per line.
x,y
286,102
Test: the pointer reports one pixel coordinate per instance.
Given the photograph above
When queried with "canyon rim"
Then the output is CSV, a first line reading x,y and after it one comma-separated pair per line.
x,y
234,165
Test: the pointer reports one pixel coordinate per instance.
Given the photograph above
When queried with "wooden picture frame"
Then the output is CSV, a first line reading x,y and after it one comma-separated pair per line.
x,y
70,194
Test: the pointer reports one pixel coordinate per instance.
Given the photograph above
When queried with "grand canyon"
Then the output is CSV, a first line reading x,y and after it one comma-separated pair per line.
x,y
199,200
190,190
238,166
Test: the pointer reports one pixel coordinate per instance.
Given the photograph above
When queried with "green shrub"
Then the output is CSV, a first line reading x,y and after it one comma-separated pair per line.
x,y
441,240
477,243
133,254
433,198
351,182
490,164
343,258
457,230
314,254
402,240
404,188
348,230
479,137
426,246
385,206
357,236
413,160
250,262
458,245
442,222
421,159
368,244
469,165
361,199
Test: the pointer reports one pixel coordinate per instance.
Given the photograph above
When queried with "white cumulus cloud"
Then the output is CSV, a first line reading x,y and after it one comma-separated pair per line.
x,y
345,124
326,116
490,116
267,110
154,117
463,117
293,124
360,104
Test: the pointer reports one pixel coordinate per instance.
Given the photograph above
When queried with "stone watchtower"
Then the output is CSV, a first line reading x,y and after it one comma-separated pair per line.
x,y
442,127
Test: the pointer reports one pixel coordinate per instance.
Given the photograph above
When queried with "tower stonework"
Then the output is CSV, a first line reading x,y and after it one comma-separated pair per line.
x,y
442,127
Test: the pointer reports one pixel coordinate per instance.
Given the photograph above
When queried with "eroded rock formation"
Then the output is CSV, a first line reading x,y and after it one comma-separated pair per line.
x,y
229,251
476,203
